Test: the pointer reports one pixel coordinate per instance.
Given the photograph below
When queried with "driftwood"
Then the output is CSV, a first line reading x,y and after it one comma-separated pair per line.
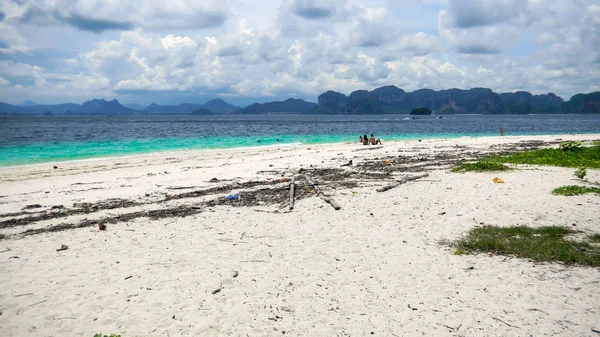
x,y
329,200
320,194
401,181
292,194
369,148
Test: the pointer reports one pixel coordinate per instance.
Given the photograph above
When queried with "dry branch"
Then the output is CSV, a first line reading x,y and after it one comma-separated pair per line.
x,y
402,181
329,200
292,194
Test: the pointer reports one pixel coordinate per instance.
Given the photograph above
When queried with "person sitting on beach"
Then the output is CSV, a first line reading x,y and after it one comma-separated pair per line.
x,y
373,141
365,140
361,139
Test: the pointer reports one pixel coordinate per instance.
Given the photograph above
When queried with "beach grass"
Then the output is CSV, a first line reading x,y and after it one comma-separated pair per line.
x,y
481,166
543,244
569,154
564,156
572,190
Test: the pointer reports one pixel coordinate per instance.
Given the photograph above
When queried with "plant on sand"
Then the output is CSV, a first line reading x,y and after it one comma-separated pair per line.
x,y
569,156
581,172
594,238
572,190
570,146
481,166
543,244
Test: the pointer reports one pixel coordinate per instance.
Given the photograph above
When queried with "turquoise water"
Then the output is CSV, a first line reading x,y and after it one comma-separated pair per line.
x,y
40,139
62,151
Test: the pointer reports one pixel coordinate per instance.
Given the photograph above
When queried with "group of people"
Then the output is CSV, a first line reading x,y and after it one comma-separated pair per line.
x,y
366,140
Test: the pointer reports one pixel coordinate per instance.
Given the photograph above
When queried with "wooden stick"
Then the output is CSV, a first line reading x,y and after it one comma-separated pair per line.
x,y
402,181
292,194
329,200
369,148
320,194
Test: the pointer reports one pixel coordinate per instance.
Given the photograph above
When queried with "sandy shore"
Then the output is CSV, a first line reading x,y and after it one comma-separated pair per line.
x,y
177,259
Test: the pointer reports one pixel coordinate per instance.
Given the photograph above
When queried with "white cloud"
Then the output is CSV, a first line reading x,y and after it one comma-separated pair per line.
x,y
283,48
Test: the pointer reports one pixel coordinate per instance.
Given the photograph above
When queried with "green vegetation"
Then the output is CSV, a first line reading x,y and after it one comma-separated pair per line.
x,y
575,190
111,335
420,111
570,146
581,173
570,154
544,244
481,166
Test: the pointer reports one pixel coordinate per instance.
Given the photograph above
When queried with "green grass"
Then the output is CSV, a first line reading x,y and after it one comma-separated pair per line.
x,y
566,156
545,244
578,157
575,190
594,238
481,166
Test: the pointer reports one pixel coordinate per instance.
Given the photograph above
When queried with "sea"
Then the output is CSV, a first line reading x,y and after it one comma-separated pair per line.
x,y
40,139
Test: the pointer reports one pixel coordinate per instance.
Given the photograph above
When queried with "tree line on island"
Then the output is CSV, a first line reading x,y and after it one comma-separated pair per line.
x,y
383,100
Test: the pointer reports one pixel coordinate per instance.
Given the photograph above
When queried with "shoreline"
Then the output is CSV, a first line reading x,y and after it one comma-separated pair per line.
x,y
158,152
177,258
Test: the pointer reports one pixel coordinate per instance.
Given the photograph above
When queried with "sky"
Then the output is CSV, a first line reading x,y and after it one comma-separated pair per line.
x,y
174,51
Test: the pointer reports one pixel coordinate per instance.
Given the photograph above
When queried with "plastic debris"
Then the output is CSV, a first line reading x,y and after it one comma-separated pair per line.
x,y
498,180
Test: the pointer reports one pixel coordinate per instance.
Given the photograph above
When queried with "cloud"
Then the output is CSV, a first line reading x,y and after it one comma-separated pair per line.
x,y
3,82
96,25
477,49
11,41
309,10
467,14
99,16
2,15
179,49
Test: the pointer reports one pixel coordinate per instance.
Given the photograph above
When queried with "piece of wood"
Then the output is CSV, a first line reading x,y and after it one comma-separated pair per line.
x,y
388,187
402,181
370,148
292,194
329,200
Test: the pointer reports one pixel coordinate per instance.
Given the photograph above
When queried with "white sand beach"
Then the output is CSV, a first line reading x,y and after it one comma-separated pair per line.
x,y
177,259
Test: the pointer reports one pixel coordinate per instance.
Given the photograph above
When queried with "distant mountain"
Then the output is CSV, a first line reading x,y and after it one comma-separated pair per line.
x,y
28,103
387,99
523,102
134,106
203,111
57,109
10,109
216,105
179,109
583,104
390,99
103,107
220,106
290,105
